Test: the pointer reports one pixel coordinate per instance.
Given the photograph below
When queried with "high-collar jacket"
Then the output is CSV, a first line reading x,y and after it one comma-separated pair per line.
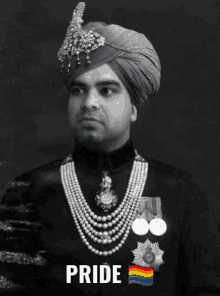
x,y
38,236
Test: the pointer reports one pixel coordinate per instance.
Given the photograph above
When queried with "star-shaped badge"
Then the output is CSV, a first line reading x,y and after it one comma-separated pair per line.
x,y
148,255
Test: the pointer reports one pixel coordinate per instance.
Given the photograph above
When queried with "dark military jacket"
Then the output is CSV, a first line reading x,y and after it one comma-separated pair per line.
x,y
38,236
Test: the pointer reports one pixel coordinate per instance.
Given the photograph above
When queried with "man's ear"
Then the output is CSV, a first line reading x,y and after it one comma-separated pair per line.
x,y
134,113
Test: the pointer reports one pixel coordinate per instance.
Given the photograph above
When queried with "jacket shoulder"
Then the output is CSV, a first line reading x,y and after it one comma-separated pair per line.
x,y
44,173
170,175
31,180
166,169
19,189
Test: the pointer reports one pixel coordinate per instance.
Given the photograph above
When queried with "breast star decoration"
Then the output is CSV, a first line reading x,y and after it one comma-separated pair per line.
x,y
148,255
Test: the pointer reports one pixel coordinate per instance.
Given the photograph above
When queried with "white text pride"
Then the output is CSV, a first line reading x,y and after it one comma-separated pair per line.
x,y
97,274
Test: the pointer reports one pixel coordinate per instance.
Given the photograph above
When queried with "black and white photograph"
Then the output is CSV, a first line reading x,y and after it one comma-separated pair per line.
x,y
109,147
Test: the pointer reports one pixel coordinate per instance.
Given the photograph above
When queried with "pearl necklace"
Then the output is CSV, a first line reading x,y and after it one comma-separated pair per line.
x,y
86,220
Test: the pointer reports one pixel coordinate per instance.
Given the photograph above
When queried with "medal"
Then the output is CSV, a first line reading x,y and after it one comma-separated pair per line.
x,y
149,208
148,255
106,199
158,226
140,226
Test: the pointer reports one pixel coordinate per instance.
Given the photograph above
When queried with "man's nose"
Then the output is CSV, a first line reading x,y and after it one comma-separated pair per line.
x,y
90,101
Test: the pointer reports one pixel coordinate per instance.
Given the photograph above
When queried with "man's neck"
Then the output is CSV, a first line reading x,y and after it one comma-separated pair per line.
x,y
99,161
106,148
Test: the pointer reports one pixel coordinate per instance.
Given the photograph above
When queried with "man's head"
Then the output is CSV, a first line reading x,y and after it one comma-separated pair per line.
x,y
100,111
98,49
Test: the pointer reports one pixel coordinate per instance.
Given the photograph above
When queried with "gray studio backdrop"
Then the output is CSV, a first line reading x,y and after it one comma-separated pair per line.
x,y
180,126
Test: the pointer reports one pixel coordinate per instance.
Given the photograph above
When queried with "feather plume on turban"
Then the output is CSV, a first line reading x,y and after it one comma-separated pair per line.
x,y
130,55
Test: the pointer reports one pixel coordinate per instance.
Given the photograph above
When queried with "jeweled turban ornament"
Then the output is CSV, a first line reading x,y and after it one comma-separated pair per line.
x,y
77,40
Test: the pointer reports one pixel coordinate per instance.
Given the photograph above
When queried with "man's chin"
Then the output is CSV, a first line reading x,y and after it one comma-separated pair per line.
x,y
89,138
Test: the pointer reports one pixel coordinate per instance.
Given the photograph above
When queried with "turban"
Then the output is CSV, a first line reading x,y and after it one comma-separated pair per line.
x,y
130,55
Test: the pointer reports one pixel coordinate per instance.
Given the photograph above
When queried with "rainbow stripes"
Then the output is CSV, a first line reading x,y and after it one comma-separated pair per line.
x,y
140,275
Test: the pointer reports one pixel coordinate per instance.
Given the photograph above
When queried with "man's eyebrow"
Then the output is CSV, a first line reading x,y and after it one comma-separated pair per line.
x,y
108,82
77,83
99,83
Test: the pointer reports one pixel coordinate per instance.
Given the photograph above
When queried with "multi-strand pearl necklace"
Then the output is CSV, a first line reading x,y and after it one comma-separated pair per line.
x,y
104,229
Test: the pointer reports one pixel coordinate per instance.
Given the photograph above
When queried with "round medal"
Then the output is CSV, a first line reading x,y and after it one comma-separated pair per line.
x,y
158,226
106,198
140,226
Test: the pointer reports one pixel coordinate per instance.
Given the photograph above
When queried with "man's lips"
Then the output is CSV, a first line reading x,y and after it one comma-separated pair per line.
x,y
89,119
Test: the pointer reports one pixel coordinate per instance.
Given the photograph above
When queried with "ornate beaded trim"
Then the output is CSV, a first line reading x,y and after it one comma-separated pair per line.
x,y
7,284
21,258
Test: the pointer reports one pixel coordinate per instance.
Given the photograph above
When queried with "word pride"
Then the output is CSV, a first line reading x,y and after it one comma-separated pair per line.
x,y
101,274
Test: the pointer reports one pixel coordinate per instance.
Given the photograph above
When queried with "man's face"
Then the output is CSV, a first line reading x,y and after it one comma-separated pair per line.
x,y
99,110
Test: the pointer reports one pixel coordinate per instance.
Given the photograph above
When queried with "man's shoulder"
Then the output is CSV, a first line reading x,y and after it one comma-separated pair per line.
x,y
19,190
168,173
48,172
165,168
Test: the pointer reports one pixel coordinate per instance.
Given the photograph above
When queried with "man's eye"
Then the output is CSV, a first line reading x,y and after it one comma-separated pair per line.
x,y
76,90
107,91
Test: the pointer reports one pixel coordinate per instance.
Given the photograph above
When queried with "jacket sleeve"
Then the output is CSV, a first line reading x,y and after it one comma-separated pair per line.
x,y
200,246
21,259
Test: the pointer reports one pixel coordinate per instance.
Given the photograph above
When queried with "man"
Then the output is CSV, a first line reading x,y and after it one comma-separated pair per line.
x,y
104,203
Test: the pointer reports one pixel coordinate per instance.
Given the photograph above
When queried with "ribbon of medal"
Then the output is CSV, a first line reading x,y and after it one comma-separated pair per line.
x,y
157,225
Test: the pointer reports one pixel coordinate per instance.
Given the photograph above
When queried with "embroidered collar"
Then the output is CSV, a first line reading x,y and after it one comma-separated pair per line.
x,y
100,161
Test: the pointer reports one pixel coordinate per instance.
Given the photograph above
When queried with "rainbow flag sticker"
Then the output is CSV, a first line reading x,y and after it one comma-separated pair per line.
x,y
140,275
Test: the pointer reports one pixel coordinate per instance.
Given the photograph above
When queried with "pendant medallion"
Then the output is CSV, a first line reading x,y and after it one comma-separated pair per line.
x,y
106,198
